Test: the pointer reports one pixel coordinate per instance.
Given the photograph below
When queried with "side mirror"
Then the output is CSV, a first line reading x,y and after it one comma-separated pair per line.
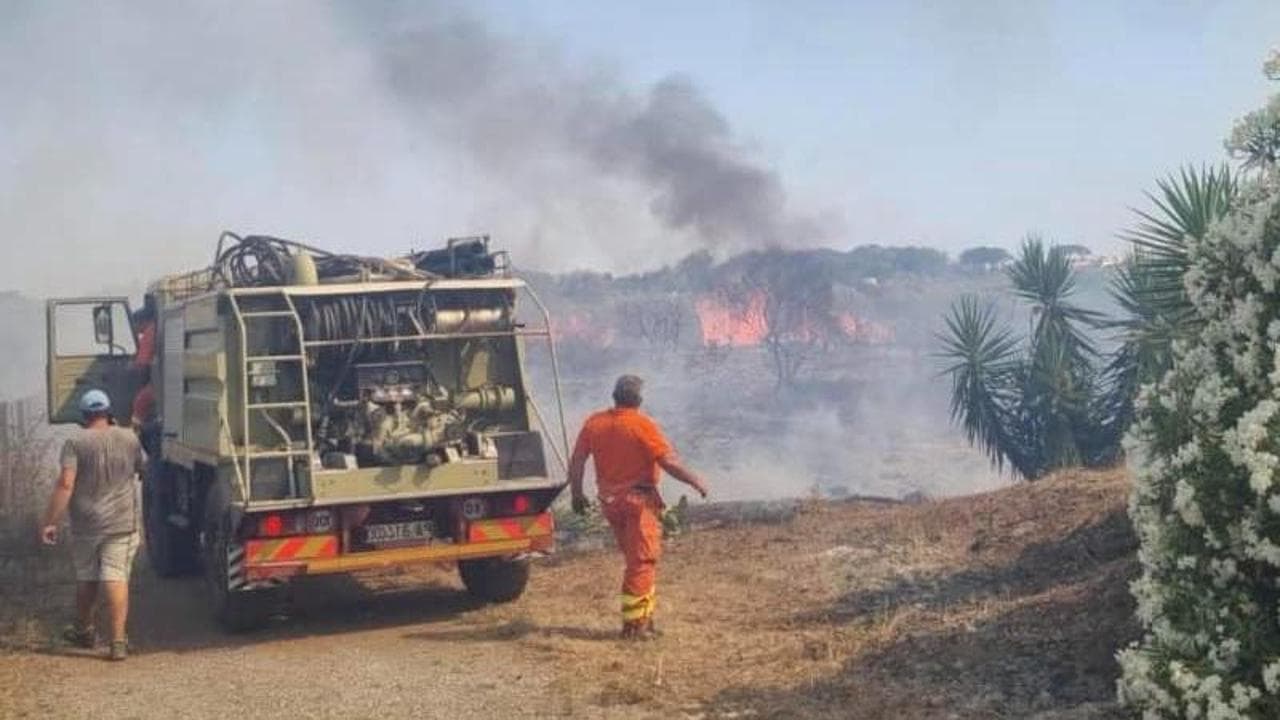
x,y
103,326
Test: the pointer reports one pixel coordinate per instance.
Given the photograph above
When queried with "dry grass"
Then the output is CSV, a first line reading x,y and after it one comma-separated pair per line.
x,y
1006,604
26,475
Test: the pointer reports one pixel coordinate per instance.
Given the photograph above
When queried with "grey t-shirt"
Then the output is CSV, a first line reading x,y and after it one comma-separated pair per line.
x,y
105,498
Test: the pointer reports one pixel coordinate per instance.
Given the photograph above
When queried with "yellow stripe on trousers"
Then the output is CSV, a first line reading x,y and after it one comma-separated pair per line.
x,y
638,607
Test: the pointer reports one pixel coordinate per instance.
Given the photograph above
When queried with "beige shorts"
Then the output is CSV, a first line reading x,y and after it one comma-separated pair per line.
x,y
104,558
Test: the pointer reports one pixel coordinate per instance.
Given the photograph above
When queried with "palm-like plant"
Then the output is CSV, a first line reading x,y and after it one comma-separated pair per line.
x,y
1185,205
1051,407
983,378
1149,290
1042,276
1032,408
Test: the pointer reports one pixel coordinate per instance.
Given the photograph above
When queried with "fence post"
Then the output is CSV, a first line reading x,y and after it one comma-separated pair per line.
x,y
20,419
7,495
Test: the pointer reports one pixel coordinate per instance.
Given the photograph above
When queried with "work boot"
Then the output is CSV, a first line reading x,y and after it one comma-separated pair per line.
x,y
119,650
81,637
632,629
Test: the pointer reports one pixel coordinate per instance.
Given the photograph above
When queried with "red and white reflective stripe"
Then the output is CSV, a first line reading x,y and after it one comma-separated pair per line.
x,y
513,528
301,547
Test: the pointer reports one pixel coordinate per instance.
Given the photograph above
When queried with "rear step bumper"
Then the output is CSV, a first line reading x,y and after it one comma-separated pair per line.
x,y
523,536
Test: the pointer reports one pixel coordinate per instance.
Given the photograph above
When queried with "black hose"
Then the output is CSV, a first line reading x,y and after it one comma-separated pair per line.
x,y
262,260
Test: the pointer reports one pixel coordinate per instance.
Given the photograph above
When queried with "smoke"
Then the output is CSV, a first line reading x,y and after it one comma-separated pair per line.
x,y
133,133
868,416
511,105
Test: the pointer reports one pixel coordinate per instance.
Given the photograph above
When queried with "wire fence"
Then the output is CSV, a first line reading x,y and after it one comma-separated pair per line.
x,y
26,477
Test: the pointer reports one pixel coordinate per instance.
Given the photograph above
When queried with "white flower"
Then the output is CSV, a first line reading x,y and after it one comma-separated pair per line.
x,y
1184,503
1271,677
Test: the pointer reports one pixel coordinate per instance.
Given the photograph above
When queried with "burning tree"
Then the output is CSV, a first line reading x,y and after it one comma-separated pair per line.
x,y
655,321
796,300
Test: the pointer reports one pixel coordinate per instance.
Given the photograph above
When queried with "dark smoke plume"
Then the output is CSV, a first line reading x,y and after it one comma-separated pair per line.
x,y
510,102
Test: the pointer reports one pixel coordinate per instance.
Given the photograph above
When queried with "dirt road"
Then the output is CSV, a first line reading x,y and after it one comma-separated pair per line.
x,y
388,645
1002,605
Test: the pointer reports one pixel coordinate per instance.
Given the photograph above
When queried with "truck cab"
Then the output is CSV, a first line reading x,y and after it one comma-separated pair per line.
x,y
320,413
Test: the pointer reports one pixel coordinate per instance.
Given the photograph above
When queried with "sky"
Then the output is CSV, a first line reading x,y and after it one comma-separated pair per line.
x,y
613,136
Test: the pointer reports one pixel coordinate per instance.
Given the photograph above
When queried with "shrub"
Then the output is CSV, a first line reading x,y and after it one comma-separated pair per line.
x,y
1206,501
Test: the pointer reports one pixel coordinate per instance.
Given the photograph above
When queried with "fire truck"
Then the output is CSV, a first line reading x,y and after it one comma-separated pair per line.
x,y
325,413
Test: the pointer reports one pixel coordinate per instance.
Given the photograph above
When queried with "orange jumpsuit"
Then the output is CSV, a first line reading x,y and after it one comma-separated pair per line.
x,y
626,445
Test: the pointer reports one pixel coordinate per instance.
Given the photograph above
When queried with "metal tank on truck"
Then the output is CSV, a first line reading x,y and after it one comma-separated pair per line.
x,y
322,413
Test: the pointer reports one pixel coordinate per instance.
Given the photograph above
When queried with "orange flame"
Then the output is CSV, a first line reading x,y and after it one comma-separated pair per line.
x,y
580,328
727,323
742,322
864,331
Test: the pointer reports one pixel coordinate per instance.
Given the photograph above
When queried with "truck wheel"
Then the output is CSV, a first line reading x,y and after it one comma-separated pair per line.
x,y
247,610
235,610
171,550
496,580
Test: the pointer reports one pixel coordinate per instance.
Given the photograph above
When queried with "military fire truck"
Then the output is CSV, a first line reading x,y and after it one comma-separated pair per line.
x,y
323,413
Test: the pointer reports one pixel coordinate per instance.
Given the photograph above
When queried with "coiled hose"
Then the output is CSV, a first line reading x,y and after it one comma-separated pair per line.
x,y
262,260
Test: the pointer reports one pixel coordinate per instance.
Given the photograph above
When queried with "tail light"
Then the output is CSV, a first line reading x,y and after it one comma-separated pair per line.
x,y
515,504
311,522
520,504
271,525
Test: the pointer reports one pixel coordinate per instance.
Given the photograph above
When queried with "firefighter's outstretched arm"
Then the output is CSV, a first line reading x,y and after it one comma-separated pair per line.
x,y
672,465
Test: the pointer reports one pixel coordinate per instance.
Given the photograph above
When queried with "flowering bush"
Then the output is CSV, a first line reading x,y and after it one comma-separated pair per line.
x,y
1206,500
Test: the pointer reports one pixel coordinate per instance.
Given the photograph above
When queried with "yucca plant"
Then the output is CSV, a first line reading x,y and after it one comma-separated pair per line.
x,y
1184,206
1031,407
984,379
1148,288
1042,277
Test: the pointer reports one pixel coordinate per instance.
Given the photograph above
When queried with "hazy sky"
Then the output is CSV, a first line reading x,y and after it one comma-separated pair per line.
x,y
612,135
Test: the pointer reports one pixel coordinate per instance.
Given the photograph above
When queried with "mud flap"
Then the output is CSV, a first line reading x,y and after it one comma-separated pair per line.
x,y
238,579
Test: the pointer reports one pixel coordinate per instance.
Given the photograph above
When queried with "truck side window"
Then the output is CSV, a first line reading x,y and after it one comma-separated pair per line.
x,y
79,336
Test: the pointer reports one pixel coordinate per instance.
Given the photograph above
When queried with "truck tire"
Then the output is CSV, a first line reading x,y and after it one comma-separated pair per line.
x,y
172,551
495,580
237,611
247,610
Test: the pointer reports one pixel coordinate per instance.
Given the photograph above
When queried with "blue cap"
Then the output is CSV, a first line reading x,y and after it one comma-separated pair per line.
x,y
94,401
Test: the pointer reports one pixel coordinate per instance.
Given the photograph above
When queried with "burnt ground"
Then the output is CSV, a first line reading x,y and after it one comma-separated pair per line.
x,y
1008,604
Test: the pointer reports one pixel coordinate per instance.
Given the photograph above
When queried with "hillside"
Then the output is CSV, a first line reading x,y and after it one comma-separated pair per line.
x,y
1004,604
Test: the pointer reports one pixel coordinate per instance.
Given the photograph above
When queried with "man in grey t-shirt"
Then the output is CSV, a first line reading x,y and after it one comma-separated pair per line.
x,y
99,469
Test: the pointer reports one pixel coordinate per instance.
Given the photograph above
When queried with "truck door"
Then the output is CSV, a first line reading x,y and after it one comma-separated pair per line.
x,y
91,344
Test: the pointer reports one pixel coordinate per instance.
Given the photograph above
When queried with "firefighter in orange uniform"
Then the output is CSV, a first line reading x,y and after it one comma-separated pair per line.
x,y
629,449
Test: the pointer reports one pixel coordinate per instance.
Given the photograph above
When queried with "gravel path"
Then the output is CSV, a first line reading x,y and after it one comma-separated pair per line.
x,y
396,646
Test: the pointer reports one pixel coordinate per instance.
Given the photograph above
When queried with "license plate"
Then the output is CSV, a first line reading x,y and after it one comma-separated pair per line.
x,y
403,532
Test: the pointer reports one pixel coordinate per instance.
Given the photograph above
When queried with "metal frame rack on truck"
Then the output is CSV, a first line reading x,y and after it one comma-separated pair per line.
x,y
320,413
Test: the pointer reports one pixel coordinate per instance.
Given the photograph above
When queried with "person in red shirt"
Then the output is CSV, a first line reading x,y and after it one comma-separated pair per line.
x,y
143,407
629,450
144,324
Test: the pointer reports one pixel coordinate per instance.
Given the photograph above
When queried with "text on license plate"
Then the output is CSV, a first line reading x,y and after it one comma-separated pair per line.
x,y
384,533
